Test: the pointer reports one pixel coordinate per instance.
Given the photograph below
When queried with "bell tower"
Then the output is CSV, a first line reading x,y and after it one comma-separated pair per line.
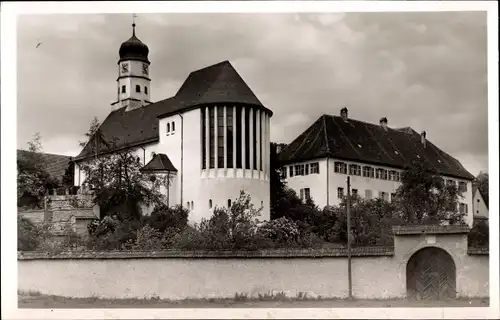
x,y
134,90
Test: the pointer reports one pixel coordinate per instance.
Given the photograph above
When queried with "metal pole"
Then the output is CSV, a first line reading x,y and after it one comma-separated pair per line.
x,y
349,272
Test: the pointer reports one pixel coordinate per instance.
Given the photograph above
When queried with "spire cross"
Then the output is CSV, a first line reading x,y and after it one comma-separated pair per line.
x,y
133,23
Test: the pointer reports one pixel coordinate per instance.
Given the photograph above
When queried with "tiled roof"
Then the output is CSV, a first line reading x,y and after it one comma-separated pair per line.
x,y
331,136
219,83
55,164
159,163
429,229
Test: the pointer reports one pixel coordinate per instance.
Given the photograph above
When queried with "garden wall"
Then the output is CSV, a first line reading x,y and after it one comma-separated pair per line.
x,y
377,273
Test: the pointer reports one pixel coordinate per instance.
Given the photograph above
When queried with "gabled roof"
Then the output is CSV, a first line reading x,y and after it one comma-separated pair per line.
x,y
331,136
219,83
55,164
159,163
485,199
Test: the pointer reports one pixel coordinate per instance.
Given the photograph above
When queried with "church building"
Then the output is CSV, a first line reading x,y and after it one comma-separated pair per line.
x,y
211,137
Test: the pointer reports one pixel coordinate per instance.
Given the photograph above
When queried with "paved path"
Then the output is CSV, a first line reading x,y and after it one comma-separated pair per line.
x,y
26,301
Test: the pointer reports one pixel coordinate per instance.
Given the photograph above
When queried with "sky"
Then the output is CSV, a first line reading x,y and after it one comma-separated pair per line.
x,y
426,70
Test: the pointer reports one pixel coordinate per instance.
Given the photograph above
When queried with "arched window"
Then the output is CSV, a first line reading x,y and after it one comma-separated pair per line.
x,y
138,88
168,128
123,89
229,203
173,126
145,90
210,204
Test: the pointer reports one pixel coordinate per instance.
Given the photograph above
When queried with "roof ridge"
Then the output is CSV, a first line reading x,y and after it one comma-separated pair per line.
x,y
370,123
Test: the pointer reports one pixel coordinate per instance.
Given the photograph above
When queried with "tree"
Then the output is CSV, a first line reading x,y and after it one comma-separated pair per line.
x,y
277,185
33,180
115,178
425,198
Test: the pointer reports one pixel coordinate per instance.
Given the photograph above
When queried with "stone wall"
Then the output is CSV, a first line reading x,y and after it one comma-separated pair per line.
x,y
377,273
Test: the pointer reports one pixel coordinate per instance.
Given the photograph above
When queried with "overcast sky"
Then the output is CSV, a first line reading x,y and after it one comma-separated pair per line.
x,y
424,70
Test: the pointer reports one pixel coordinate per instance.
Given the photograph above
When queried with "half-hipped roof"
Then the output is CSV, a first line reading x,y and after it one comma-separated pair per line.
x,y
332,136
219,83
159,164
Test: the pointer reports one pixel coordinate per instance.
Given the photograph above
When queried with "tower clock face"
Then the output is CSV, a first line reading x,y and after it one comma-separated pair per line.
x,y
145,68
124,67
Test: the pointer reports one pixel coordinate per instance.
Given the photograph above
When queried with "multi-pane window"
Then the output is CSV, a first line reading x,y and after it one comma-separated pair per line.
x,y
381,174
229,137
211,135
314,167
383,195
367,172
307,193
307,169
354,192
392,175
203,139
462,186
340,167
283,172
397,176
354,170
340,193
220,137
291,171
368,194
450,183
299,170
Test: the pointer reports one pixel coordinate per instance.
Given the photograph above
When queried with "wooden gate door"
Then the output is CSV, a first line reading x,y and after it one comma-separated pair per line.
x,y
431,275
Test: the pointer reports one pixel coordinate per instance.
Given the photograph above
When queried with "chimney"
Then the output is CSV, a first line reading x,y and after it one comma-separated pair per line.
x,y
422,135
383,123
343,114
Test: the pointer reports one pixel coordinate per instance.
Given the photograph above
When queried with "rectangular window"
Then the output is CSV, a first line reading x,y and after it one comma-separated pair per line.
x,y
138,88
340,167
301,194
203,139
211,135
354,170
397,176
229,137
393,197
462,186
247,138
382,195
462,208
340,193
307,193
307,169
220,137
381,174
299,170
123,89
283,173
291,171
368,194
314,168
450,183
367,172
392,175
354,192
239,162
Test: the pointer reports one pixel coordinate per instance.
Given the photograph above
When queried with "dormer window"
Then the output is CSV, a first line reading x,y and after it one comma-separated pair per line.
x,y
138,88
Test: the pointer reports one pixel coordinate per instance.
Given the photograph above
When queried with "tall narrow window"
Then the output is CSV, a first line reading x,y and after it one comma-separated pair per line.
x,y
247,139
123,89
307,169
291,171
368,194
168,128
173,126
340,193
301,194
212,137
210,204
354,192
254,142
314,167
145,90
307,193
192,205
239,148
229,203
220,137
229,137
138,88
203,139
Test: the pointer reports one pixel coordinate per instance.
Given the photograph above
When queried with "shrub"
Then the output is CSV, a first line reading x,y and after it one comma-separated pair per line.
x,y
28,235
149,238
479,235
163,218
280,231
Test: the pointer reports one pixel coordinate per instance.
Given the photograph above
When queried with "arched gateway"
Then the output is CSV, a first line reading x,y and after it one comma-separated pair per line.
x,y
431,275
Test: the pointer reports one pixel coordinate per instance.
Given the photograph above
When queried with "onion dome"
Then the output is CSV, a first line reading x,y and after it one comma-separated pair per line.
x,y
134,49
